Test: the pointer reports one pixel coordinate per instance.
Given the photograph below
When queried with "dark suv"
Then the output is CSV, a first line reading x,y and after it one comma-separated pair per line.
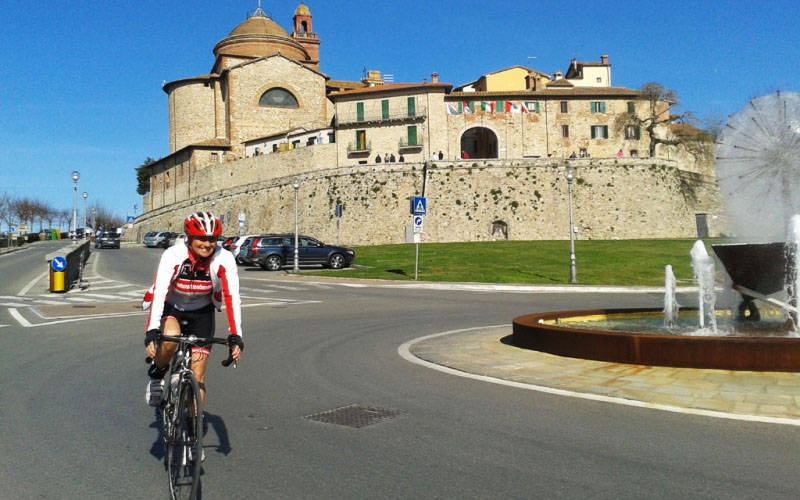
x,y
108,239
273,251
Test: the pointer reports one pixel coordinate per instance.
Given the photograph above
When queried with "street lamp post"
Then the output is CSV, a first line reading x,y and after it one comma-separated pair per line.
x,y
75,177
94,219
573,272
85,195
296,234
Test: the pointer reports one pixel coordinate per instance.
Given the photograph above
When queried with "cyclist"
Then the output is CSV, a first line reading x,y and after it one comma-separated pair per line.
x,y
193,278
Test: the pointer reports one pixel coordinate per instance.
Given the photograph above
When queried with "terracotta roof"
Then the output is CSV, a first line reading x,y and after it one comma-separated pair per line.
x,y
201,78
563,82
264,58
211,142
392,87
684,129
551,92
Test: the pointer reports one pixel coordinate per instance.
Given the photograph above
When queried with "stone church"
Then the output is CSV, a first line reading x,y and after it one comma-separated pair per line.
x,y
490,155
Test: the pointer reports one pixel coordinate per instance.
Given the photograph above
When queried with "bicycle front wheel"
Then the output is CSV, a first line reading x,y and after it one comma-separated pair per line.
x,y
185,442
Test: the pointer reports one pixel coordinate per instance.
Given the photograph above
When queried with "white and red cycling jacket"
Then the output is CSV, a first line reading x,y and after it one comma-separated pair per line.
x,y
224,289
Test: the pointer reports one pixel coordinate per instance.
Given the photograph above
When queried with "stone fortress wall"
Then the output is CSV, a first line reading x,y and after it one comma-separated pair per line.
x,y
612,198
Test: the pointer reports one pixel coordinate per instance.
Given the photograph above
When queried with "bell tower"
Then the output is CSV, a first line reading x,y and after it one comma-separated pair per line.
x,y
305,36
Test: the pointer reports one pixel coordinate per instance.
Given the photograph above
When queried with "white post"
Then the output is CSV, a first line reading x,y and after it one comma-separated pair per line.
x,y
85,195
296,232
573,272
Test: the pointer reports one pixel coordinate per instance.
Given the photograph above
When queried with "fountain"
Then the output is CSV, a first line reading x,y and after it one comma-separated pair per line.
x,y
758,170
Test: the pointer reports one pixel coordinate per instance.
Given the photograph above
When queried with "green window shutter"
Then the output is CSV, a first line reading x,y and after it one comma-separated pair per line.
x,y
460,107
602,107
593,107
537,106
412,135
631,107
605,131
385,109
499,106
411,107
591,132
360,111
636,133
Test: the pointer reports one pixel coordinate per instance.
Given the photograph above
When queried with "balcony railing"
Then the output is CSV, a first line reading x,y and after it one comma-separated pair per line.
x,y
406,144
359,148
377,117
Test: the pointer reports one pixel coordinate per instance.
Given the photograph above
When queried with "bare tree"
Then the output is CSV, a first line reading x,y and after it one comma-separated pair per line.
x,y
105,219
25,211
7,209
660,101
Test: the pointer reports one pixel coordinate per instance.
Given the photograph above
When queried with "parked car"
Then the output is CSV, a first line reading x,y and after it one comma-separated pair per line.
x,y
241,254
156,239
227,242
174,238
237,244
274,251
107,239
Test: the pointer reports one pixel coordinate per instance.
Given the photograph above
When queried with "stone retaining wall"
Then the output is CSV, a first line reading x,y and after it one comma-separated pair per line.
x,y
625,198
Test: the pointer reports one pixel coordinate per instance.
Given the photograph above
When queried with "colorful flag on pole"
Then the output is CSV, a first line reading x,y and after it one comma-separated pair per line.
x,y
508,107
451,110
467,108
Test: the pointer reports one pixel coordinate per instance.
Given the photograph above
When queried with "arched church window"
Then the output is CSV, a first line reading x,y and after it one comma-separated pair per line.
x,y
278,98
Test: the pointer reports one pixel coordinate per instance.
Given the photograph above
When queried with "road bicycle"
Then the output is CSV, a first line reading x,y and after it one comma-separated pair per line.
x,y
182,418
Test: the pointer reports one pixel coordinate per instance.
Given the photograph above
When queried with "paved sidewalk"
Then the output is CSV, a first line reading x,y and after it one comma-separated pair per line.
x,y
765,396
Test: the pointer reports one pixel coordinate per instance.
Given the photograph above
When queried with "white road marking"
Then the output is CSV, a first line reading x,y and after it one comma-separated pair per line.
x,y
79,299
1,326
102,296
30,285
405,352
13,304
255,289
123,285
17,316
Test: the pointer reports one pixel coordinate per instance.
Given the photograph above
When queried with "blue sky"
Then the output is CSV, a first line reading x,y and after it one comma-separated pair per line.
x,y
82,83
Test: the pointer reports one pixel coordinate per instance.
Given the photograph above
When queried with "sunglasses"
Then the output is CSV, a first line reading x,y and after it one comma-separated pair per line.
x,y
207,239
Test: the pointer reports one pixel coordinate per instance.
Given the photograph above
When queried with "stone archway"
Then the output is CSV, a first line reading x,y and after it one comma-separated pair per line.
x,y
479,142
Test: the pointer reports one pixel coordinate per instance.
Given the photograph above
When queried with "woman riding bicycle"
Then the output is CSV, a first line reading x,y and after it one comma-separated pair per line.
x,y
193,279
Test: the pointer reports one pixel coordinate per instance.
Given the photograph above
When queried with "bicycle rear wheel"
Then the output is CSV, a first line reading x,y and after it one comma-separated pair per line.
x,y
185,442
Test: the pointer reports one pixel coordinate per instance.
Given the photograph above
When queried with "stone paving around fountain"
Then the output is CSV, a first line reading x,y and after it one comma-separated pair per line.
x,y
766,396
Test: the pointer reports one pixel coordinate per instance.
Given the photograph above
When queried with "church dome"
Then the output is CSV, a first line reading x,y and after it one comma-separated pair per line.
x,y
259,36
302,10
259,25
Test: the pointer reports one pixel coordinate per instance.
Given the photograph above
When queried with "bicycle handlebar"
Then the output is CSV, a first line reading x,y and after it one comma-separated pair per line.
x,y
194,341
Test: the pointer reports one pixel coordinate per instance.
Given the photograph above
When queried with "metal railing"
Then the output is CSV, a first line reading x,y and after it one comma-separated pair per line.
x,y
378,117
406,144
356,148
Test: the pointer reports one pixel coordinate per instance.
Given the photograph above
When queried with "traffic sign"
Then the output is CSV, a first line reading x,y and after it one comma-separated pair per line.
x,y
418,205
418,221
58,264
12,229
130,219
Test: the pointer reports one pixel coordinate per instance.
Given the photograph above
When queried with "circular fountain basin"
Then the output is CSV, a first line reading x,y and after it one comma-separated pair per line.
x,y
558,333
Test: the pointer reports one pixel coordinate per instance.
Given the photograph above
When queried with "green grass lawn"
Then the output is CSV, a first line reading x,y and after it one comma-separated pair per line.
x,y
605,262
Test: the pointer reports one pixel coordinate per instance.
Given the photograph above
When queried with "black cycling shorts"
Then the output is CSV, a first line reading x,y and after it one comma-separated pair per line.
x,y
199,323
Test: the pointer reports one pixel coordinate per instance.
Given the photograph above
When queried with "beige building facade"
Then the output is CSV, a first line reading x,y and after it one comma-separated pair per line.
x,y
266,115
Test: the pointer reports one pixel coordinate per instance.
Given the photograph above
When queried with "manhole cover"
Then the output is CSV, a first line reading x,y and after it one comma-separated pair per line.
x,y
353,416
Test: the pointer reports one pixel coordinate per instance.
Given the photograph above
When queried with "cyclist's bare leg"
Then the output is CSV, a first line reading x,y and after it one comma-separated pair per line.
x,y
199,361
170,328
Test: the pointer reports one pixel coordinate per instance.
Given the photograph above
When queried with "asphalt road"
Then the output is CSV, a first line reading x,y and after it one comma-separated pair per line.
x,y
74,423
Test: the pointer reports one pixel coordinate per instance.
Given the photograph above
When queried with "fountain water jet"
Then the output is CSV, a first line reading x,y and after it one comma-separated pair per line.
x,y
704,275
671,306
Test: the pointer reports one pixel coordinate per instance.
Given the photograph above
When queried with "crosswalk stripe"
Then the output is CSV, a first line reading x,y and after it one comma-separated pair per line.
x,y
102,296
13,304
135,293
48,302
79,299
107,287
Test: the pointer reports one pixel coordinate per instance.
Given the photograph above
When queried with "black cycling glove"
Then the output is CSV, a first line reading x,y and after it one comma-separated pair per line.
x,y
236,340
152,336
